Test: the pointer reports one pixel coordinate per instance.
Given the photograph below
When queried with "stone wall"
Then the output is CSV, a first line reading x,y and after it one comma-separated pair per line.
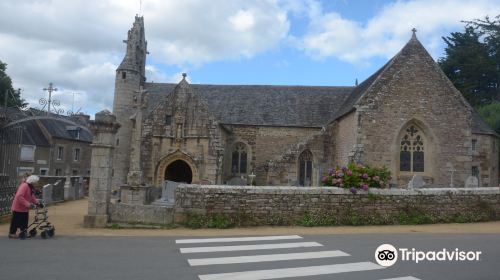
x,y
142,214
345,138
67,165
265,143
291,205
485,158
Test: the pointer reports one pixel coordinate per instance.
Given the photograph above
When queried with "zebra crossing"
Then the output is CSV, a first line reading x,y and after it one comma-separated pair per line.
x,y
300,251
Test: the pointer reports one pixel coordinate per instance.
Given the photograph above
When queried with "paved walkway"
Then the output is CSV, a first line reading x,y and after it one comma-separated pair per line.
x,y
68,219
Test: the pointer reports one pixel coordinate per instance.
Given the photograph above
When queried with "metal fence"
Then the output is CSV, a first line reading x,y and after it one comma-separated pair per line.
x,y
7,192
10,139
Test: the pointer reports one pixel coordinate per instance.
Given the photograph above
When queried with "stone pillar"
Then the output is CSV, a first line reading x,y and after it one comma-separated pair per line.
x,y
104,128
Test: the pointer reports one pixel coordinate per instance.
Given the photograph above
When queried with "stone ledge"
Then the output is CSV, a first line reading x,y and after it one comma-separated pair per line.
x,y
333,190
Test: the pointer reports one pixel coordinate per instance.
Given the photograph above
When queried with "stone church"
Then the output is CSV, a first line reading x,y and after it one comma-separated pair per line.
x,y
407,116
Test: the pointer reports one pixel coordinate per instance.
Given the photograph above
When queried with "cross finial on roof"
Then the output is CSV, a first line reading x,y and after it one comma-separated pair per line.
x,y
184,75
414,30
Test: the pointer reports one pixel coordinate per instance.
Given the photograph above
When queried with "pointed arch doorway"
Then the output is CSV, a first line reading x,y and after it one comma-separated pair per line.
x,y
179,171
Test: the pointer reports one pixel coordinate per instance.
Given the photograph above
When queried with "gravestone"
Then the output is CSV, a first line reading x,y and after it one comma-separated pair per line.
x,y
472,182
167,194
237,181
81,189
416,182
69,190
58,191
47,193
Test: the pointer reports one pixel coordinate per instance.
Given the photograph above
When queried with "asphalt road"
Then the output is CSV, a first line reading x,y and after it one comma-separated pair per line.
x,y
294,257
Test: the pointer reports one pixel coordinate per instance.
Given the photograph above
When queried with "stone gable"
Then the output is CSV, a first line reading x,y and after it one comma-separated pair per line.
x,y
413,89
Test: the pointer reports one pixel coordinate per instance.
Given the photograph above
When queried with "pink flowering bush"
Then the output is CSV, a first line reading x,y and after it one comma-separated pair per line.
x,y
357,177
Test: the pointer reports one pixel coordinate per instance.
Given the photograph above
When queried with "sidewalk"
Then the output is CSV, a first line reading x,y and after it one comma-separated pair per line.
x,y
68,219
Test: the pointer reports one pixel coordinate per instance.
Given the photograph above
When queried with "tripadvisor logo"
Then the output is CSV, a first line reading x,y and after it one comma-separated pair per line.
x,y
387,255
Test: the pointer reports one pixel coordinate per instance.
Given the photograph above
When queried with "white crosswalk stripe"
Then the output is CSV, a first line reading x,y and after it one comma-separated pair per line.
x,y
249,247
260,259
292,272
267,258
237,239
402,278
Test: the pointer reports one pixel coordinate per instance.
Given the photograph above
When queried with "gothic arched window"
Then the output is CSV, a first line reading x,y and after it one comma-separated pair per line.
x,y
305,168
239,159
411,155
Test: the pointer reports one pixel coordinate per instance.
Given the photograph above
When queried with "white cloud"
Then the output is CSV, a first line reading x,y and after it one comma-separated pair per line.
x,y
78,44
192,32
242,21
331,35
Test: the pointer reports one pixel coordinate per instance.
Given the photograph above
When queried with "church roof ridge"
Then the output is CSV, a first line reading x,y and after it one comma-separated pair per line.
x,y
256,85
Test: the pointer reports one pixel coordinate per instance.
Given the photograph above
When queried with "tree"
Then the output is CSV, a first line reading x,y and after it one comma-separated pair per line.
x,y
13,96
491,115
470,65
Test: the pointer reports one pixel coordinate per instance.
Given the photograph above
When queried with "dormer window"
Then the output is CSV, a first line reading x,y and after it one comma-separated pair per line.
x,y
124,75
74,132
168,120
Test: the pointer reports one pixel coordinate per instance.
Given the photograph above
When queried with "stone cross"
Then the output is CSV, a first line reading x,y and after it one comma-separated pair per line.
x,y
452,170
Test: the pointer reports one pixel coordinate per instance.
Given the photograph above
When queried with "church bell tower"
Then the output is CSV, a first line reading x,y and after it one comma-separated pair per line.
x,y
130,77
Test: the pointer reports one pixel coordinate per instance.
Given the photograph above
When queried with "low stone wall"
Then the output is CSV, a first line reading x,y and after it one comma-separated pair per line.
x,y
141,214
250,205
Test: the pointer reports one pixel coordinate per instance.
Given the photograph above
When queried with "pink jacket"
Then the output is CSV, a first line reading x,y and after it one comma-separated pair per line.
x,y
24,196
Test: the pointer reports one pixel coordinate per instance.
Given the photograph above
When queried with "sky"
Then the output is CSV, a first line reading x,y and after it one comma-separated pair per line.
x,y
78,44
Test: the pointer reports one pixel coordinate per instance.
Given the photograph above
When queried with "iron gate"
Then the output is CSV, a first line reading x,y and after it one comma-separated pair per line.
x,y
10,141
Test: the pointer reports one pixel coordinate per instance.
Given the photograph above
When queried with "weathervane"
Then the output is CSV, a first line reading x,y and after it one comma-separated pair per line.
x,y
49,102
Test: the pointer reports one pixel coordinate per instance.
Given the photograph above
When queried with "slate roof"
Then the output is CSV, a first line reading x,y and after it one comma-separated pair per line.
x,y
32,133
29,131
479,126
59,129
302,106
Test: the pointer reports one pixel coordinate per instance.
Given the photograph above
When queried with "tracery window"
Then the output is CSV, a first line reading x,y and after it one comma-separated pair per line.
x,y
239,159
411,155
305,168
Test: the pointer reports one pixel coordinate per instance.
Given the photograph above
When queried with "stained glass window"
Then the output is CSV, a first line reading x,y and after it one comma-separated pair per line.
x,y
411,155
305,168
239,159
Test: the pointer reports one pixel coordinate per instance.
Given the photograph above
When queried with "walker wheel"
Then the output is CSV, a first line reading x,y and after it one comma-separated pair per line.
x,y
51,232
32,233
22,235
44,234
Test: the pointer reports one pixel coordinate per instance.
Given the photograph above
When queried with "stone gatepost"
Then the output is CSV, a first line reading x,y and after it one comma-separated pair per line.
x,y
104,128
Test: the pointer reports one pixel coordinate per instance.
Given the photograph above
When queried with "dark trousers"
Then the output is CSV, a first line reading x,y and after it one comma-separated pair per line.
x,y
19,221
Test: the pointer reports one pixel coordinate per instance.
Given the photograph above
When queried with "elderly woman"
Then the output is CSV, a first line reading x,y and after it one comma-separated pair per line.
x,y
23,201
